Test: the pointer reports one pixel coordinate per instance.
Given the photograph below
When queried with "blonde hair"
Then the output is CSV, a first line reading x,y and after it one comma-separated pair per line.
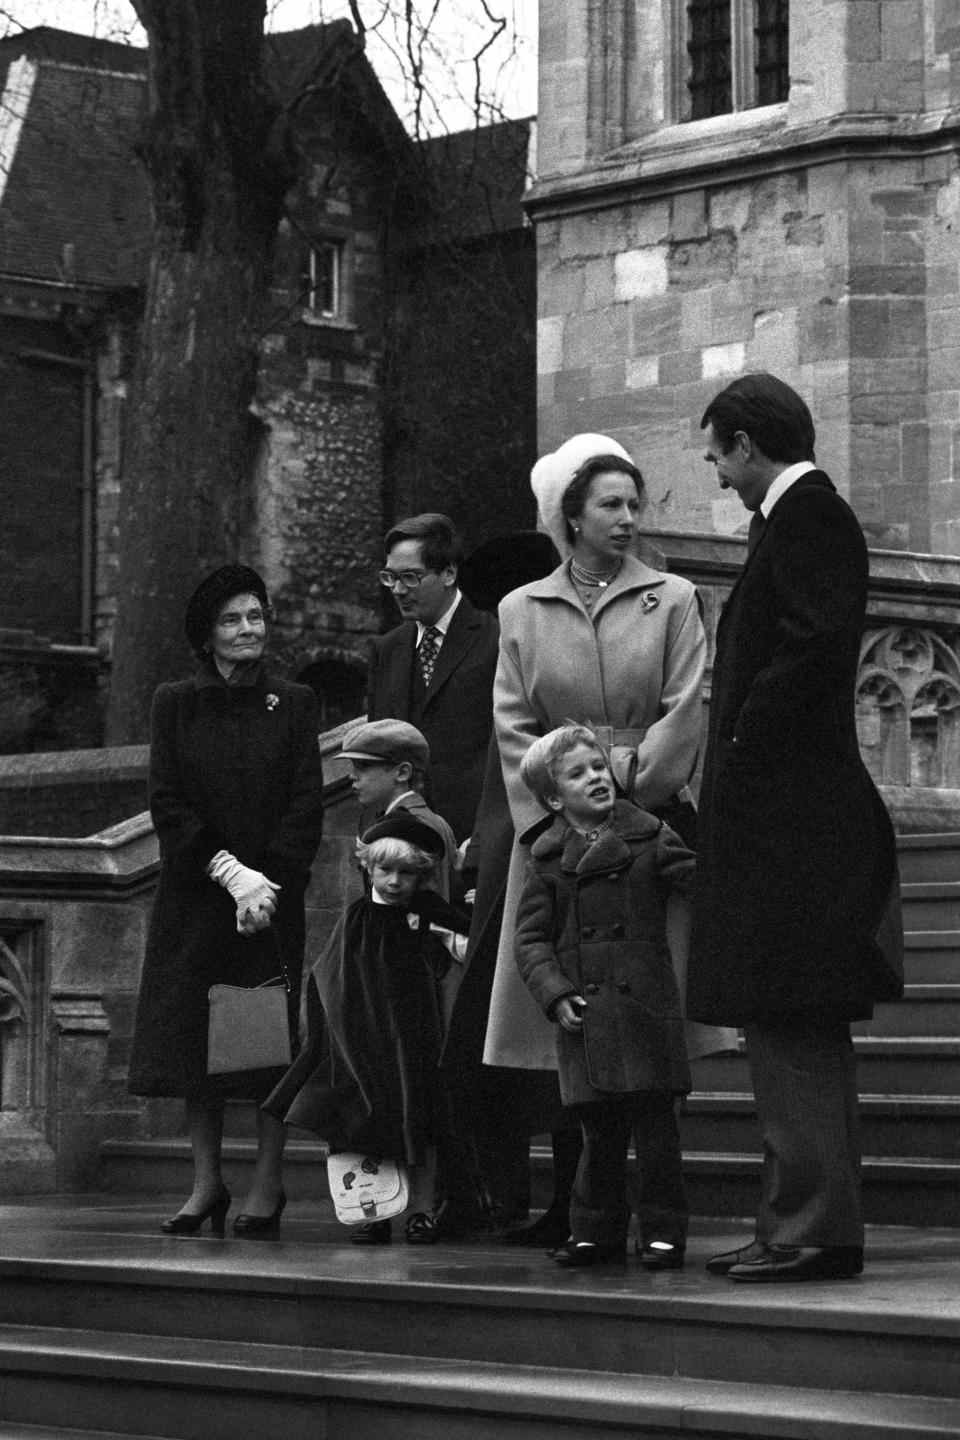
x,y
538,768
391,851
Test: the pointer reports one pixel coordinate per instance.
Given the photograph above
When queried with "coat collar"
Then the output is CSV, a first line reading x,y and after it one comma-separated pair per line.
x,y
634,575
612,850
208,677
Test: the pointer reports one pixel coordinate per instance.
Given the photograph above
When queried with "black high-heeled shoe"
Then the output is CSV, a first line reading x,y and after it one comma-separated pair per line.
x,y
260,1227
216,1213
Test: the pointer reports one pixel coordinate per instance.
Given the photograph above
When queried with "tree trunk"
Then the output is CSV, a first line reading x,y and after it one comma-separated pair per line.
x,y
217,196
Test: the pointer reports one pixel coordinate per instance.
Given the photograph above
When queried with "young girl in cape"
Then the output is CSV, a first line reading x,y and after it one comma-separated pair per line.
x,y
367,1078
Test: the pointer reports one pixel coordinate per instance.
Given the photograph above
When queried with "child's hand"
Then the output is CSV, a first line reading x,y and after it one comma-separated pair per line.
x,y
567,1012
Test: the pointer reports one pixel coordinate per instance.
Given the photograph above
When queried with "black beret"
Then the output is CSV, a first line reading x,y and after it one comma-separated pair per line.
x,y
401,825
212,594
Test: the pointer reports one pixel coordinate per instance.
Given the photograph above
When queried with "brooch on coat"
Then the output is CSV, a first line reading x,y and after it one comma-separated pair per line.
x,y
272,701
649,600
413,920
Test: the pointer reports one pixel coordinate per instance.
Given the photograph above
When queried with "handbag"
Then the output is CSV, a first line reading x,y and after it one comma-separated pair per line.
x,y
366,1187
248,1029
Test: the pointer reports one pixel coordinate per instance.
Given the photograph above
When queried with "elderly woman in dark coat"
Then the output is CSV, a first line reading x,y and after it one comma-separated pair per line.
x,y
236,796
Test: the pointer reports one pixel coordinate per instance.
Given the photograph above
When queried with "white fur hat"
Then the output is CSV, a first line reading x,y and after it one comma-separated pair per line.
x,y
552,474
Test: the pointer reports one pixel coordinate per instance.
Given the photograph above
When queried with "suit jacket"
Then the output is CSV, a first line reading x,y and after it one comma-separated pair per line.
x,y
797,858
455,713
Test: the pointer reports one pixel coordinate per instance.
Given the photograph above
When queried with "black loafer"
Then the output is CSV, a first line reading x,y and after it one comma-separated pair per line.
x,y
723,1264
808,1262
661,1255
578,1254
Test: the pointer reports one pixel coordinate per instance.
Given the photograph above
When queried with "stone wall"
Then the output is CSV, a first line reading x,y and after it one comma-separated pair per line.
x,y
816,238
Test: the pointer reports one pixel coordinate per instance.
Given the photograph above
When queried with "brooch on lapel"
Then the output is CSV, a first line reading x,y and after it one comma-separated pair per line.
x,y
272,701
413,920
649,600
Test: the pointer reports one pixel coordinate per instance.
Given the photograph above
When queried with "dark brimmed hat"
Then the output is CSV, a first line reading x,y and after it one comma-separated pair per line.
x,y
212,594
401,825
389,742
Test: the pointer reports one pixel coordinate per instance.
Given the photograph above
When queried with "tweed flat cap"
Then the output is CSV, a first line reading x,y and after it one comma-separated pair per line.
x,y
389,741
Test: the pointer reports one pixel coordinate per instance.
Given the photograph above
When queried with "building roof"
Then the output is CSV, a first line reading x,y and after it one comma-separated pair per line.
x,y
478,179
74,205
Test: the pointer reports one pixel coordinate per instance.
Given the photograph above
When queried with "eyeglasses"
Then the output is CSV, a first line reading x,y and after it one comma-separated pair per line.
x,y
409,579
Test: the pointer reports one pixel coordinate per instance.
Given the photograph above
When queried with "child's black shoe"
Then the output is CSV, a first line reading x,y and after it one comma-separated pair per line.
x,y
374,1232
422,1229
577,1254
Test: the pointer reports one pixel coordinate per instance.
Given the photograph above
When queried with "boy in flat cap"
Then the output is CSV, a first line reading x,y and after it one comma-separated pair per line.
x,y
390,760
368,1077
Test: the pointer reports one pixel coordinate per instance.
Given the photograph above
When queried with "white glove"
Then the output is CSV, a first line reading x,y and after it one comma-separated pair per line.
x,y
254,894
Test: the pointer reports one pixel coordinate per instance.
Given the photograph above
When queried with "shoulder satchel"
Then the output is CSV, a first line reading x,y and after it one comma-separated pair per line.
x,y
366,1187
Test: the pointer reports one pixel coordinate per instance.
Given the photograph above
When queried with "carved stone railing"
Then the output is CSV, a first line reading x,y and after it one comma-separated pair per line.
x,y
73,921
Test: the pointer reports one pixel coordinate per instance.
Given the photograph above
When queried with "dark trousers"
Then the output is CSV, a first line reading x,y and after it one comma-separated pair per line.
x,y
599,1211
805,1083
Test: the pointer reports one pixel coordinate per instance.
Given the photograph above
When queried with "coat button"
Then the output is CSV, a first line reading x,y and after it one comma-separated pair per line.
x,y
591,989
624,987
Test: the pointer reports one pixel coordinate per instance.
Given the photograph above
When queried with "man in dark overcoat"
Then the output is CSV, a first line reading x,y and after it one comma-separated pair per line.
x,y
797,872
436,668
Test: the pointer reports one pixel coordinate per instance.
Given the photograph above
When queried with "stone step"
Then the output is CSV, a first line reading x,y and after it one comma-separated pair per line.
x,y
932,1010
934,905
928,858
164,1166
886,1065
897,1190
222,1390
908,1126
931,957
897,1329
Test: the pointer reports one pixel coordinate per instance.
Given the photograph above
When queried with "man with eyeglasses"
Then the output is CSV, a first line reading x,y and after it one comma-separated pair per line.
x,y
436,668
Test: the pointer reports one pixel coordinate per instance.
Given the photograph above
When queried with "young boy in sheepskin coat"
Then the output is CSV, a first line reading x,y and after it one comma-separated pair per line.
x,y
591,946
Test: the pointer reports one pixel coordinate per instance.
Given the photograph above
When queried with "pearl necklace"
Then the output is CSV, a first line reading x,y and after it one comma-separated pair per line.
x,y
599,579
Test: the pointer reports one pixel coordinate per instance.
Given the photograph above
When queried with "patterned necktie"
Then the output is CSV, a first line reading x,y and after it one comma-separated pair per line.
x,y
428,652
757,526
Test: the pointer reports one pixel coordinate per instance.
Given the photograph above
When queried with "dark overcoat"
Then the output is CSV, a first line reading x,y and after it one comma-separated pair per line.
x,y
367,1078
232,767
592,920
797,864
455,713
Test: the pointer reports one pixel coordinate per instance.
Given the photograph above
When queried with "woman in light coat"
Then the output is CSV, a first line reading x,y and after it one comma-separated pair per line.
x,y
606,641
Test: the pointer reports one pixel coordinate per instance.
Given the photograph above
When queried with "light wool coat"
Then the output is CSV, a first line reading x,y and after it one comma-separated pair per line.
x,y
636,667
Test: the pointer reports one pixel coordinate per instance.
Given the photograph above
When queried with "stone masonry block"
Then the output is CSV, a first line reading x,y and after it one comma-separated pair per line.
x,y
821,332
607,379
550,343
696,321
599,283
869,322
596,233
648,224
592,338
775,344
571,385
696,263
641,274
689,215
655,325
887,280
560,289
729,208
722,362
642,373
680,366
863,29
882,407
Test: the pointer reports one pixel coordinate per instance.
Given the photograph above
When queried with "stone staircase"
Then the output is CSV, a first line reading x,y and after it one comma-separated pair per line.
x,y
908,1066
109,1329
909,1071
